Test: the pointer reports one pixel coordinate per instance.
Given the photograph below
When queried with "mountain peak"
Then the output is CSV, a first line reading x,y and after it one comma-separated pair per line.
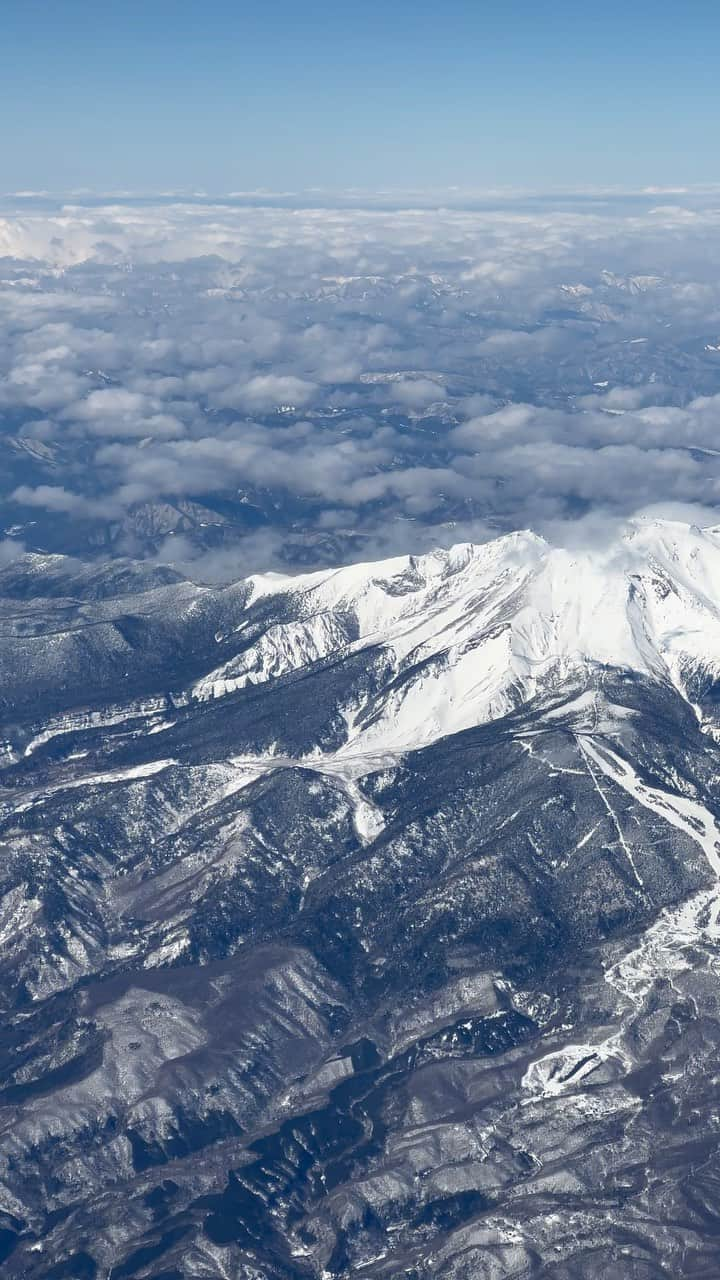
x,y
470,633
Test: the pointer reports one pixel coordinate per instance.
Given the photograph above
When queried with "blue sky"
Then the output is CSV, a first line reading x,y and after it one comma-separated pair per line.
x,y
230,96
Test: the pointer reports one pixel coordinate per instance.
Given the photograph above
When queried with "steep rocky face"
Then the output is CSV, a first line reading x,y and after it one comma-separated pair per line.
x,y
363,922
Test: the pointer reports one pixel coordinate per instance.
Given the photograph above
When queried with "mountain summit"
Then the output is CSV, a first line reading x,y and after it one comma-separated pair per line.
x,y
476,631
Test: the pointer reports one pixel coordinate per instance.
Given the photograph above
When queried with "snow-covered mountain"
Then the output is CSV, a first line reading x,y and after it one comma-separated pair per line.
x,y
455,638
474,632
365,921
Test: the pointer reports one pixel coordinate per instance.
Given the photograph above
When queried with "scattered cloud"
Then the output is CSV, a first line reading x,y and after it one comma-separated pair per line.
x,y
350,381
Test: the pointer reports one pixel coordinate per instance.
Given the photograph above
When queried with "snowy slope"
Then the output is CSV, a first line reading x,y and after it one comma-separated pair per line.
x,y
475,631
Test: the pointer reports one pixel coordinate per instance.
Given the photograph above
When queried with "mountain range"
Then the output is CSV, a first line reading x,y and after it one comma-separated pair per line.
x,y
363,922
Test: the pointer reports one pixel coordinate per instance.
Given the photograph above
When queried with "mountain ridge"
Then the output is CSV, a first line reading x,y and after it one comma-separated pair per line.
x,y
463,635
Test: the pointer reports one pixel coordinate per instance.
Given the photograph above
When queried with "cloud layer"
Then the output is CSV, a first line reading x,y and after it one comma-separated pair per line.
x,y
351,381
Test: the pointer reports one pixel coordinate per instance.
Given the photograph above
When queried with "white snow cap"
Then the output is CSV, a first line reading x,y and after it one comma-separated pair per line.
x,y
473,631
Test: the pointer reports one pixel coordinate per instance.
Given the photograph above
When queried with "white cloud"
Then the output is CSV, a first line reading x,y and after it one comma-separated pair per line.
x,y
268,391
448,368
